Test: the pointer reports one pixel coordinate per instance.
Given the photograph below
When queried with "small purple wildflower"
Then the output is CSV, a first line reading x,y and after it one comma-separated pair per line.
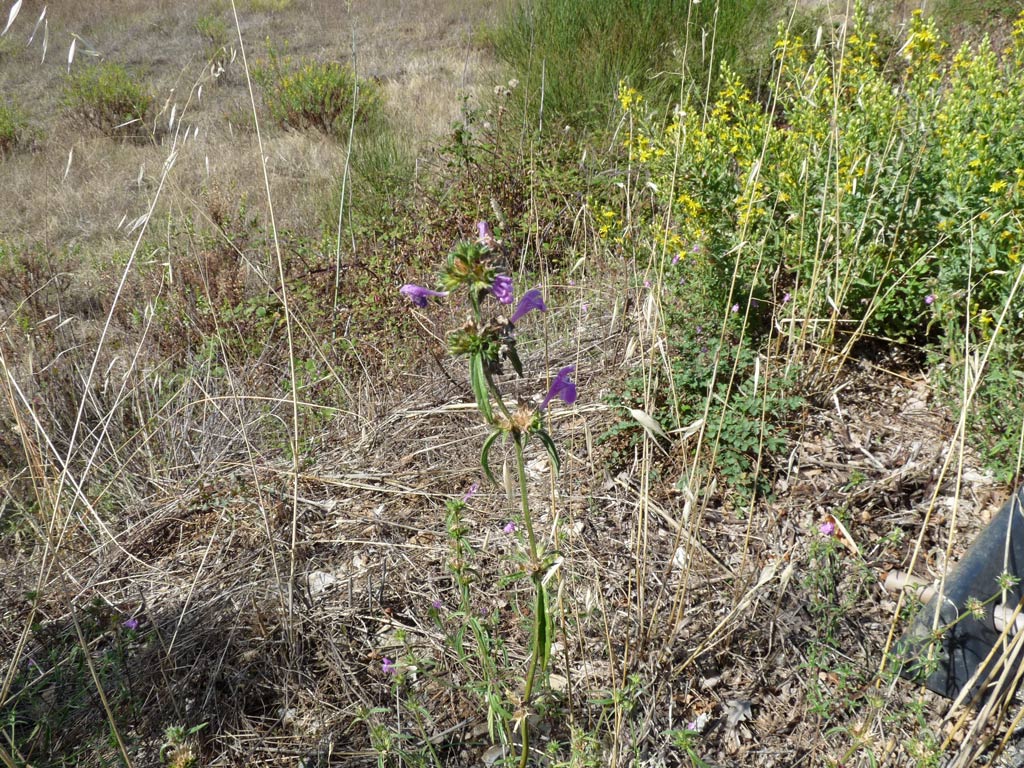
x,y
735,308
387,666
469,494
584,308
131,624
486,237
418,294
676,258
562,387
647,283
502,289
929,299
827,528
531,300
786,297
509,528
437,605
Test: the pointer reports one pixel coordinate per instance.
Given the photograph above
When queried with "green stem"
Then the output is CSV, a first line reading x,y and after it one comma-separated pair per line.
x,y
536,576
517,439
496,393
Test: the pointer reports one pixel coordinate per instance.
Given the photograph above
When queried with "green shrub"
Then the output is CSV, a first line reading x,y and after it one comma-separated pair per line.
x,y
872,198
378,184
107,97
214,31
319,95
583,48
13,128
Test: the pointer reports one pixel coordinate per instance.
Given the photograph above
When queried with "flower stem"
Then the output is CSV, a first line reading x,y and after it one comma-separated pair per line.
x,y
523,494
538,615
496,393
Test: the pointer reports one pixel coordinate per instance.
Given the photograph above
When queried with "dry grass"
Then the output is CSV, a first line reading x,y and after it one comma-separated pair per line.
x,y
425,56
275,542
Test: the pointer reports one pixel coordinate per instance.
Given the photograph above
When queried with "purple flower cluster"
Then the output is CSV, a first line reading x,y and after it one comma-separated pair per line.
x,y
502,289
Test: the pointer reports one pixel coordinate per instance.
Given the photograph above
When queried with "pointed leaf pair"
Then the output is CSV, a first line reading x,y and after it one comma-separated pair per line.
x,y
549,445
478,380
485,459
545,630
513,357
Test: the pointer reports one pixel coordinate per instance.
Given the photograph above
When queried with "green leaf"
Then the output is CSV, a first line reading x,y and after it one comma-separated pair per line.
x,y
485,461
544,629
478,380
513,357
549,444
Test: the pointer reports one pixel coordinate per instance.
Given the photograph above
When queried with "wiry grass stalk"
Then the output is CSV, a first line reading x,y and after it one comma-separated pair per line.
x,y
289,590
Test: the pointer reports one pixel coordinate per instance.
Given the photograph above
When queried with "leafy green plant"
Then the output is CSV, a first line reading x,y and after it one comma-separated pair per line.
x,y
55,708
488,340
14,128
377,189
684,739
869,197
214,31
305,94
577,51
179,748
473,638
108,97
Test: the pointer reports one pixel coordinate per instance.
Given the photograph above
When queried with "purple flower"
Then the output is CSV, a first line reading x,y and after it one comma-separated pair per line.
x,y
509,528
562,387
486,237
502,289
827,528
676,258
469,494
929,299
786,298
437,605
419,294
387,666
131,624
531,300
647,283
735,308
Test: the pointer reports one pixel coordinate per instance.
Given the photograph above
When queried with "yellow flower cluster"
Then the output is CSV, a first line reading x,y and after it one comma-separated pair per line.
x,y
607,220
924,45
629,97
